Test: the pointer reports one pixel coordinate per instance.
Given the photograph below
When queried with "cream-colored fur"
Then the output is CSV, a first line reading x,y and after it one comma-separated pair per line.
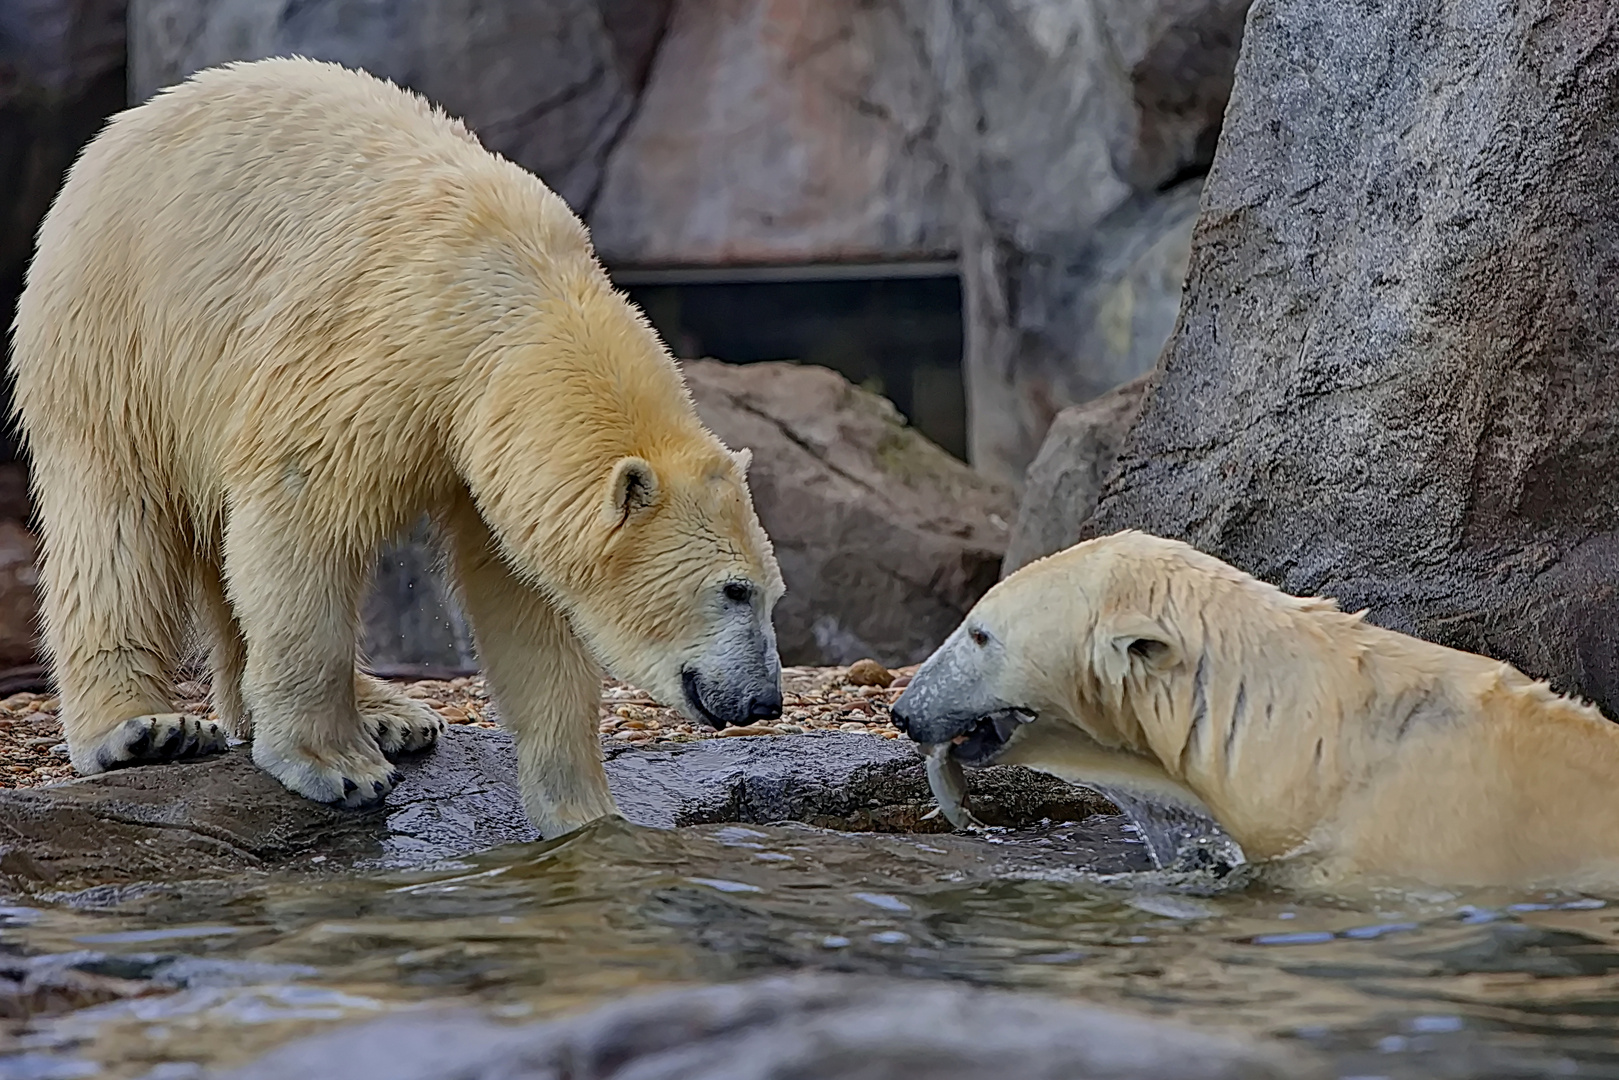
x,y
276,314
1342,750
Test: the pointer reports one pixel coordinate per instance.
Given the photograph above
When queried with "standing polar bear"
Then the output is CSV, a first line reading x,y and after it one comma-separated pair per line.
x,y
277,313
1140,665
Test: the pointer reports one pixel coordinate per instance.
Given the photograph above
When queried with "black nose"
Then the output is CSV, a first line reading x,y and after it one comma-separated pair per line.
x,y
899,718
765,706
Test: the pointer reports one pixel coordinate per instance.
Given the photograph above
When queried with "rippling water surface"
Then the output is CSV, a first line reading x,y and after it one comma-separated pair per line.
x,y
1397,986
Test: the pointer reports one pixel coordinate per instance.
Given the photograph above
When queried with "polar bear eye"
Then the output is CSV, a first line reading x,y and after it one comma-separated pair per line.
x,y
739,592
979,637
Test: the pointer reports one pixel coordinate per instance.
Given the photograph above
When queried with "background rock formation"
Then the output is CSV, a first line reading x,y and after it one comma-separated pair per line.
x,y
1066,479
550,86
778,131
1075,133
1396,375
885,541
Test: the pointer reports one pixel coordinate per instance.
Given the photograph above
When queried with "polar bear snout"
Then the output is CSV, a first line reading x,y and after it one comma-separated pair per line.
x,y
952,698
738,701
737,678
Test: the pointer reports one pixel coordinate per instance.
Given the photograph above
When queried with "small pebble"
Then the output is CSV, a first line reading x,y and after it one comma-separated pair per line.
x,y
869,672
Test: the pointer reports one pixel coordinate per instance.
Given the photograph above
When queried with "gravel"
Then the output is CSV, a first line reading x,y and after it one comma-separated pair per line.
x,y
853,699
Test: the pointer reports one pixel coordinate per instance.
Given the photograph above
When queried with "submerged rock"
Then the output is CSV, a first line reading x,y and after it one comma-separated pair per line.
x,y
831,1026
225,815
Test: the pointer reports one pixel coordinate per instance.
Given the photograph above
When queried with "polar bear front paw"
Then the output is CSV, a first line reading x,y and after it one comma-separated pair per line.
x,y
401,726
356,778
143,740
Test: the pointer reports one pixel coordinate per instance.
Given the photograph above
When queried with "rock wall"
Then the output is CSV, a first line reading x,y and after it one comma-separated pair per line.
x,y
1056,145
778,131
1074,132
1066,480
1396,375
683,131
549,85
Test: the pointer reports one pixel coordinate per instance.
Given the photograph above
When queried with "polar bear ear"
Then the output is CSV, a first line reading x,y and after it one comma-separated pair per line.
x,y
744,458
1133,643
632,487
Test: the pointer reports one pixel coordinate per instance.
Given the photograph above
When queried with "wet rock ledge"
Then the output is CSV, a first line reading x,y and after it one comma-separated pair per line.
x,y
223,815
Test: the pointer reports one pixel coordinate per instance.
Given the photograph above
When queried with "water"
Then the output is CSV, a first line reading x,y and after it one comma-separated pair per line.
x,y
1397,986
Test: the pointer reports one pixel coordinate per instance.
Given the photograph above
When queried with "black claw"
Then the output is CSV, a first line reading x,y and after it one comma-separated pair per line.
x,y
349,786
172,741
395,777
377,788
141,743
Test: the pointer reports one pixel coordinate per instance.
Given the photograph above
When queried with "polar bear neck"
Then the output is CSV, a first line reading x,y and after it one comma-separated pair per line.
x,y
1263,718
581,384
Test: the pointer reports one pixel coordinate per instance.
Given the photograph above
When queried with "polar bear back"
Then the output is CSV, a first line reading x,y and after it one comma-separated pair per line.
x,y
279,247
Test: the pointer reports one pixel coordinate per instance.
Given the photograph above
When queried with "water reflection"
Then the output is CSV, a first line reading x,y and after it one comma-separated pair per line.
x,y
1480,985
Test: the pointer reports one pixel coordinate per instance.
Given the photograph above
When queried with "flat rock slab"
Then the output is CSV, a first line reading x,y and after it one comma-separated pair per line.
x,y
807,1025
224,815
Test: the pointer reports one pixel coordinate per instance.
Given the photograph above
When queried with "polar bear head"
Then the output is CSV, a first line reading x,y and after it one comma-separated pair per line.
x,y
693,583
585,456
1140,665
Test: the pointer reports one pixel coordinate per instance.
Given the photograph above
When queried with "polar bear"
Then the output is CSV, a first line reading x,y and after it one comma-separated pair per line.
x,y
1332,748
277,313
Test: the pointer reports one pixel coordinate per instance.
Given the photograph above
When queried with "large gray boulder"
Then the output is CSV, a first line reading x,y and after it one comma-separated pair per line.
x,y
550,86
1075,134
778,133
885,540
1065,481
832,1027
1396,376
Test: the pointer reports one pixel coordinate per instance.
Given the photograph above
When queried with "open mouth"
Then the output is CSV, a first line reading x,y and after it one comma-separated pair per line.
x,y
980,744
688,686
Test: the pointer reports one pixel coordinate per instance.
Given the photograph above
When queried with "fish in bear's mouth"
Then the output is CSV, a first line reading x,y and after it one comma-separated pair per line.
x,y
987,737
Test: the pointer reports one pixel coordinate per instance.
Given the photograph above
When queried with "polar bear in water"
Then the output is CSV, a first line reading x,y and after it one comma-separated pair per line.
x,y
1329,747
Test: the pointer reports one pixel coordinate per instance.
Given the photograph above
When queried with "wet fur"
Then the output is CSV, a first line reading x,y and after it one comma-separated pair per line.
x,y
1336,748
277,313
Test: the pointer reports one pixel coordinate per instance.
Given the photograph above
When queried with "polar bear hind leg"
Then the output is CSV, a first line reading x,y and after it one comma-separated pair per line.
x,y
114,610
